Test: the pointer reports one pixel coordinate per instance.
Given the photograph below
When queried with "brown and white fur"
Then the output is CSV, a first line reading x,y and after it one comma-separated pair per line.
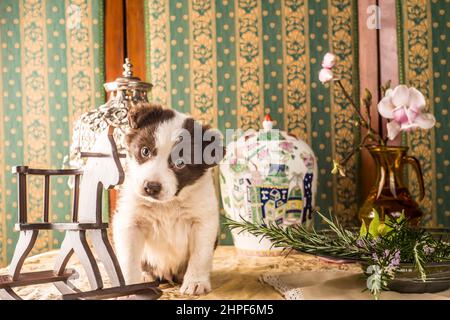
x,y
167,220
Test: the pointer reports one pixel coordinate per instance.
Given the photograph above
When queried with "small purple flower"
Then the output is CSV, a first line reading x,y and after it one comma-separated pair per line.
x,y
373,242
428,250
395,262
386,253
374,256
360,243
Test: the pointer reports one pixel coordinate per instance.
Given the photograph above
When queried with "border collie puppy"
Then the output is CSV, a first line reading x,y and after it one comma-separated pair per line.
x,y
167,220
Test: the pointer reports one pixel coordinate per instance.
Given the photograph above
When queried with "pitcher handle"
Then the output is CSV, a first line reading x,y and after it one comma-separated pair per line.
x,y
418,170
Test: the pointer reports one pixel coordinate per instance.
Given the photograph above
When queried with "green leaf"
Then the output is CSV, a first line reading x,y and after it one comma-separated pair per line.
x,y
401,218
388,223
363,230
374,224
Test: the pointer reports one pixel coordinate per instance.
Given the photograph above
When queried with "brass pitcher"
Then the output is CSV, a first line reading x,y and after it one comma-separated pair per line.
x,y
389,194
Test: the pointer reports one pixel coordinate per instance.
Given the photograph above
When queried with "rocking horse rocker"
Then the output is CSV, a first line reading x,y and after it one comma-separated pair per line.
x,y
102,170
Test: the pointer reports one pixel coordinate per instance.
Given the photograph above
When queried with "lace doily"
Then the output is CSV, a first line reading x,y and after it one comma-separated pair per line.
x,y
286,291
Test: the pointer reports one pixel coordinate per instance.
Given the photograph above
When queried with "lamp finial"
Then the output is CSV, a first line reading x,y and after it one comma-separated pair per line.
x,y
127,72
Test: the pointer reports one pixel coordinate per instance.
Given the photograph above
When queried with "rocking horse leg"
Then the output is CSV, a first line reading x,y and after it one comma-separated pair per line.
x,y
9,294
24,245
107,256
64,255
84,254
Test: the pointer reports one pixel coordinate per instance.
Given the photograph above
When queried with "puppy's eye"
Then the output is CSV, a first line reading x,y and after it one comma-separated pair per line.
x,y
145,152
180,164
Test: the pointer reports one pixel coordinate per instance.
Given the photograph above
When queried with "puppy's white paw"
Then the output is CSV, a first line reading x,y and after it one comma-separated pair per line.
x,y
195,287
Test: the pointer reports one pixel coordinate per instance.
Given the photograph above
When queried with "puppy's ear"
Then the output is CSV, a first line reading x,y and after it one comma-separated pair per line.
x,y
145,114
138,113
210,144
213,146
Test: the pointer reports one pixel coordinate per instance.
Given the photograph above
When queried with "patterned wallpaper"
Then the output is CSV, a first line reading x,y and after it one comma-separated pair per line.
x,y
424,64
228,62
51,70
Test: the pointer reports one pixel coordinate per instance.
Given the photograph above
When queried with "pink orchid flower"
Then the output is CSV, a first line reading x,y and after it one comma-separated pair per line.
x,y
404,106
326,74
329,61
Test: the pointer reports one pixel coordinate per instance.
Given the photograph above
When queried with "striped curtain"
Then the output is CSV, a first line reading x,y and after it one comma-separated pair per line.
x,y
228,62
51,71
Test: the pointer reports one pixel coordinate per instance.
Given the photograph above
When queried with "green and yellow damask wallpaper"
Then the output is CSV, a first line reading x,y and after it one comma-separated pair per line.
x,y
228,62
51,70
424,51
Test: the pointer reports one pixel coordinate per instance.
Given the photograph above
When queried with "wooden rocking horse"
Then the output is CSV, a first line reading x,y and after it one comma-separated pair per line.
x,y
102,170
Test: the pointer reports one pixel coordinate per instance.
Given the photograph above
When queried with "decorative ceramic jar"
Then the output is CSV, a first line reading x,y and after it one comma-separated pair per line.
x,y
267,176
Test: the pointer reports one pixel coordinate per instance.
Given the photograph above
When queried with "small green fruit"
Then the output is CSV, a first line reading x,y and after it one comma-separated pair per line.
x,y
382,229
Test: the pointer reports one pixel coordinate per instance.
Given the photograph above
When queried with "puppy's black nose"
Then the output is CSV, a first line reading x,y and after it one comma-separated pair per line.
x,y
152,188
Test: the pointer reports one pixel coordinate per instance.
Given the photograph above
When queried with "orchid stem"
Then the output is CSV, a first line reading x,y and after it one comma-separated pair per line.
x,y
359,147
367,125
350,99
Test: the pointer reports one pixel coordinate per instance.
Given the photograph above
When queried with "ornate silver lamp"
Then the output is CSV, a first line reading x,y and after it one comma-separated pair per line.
x,y
125,92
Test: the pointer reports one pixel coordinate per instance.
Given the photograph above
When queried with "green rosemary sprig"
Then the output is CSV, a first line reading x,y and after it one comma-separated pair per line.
x,y
299,238
382,254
